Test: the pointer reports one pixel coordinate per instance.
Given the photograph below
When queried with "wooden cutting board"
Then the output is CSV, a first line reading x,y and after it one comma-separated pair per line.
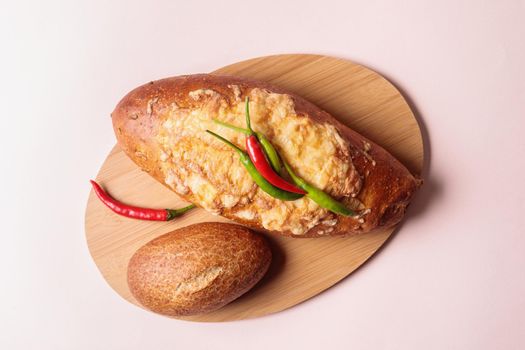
x,y
302,268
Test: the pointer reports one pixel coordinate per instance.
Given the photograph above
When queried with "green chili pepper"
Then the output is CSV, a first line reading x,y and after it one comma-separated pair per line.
x,y
256,176
321,198
270,152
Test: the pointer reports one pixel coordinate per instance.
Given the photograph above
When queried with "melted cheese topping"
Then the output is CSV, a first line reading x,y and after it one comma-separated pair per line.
x,y
196,163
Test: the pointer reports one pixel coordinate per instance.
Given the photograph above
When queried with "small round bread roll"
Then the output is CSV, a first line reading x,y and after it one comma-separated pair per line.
x,y
198,268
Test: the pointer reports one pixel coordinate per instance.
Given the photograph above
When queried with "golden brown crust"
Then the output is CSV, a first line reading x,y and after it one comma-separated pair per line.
x,y
386,185
198,268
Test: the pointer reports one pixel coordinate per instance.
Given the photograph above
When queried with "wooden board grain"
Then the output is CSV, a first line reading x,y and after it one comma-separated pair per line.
x,y
302,268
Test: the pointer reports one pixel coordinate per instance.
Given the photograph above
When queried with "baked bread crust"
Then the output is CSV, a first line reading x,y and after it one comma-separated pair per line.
x,y
386,186
197,268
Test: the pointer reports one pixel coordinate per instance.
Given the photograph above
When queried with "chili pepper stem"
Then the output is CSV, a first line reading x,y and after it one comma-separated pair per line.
x,y
248,122
173,213
233,127
225,141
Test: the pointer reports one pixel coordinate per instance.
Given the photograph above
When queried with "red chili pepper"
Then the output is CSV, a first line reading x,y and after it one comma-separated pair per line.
x,y
258,158
254,150
136,212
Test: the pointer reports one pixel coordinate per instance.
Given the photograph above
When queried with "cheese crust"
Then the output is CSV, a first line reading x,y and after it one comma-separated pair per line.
x,y
162,125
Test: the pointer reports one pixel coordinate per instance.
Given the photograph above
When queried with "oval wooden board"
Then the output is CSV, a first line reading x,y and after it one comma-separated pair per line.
x,y
301,268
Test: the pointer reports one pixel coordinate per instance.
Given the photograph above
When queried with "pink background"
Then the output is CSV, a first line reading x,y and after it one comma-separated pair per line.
x,y
452,278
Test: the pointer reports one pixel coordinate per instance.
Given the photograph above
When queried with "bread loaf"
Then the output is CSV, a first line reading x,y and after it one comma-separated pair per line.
x,y
161,127
198,268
